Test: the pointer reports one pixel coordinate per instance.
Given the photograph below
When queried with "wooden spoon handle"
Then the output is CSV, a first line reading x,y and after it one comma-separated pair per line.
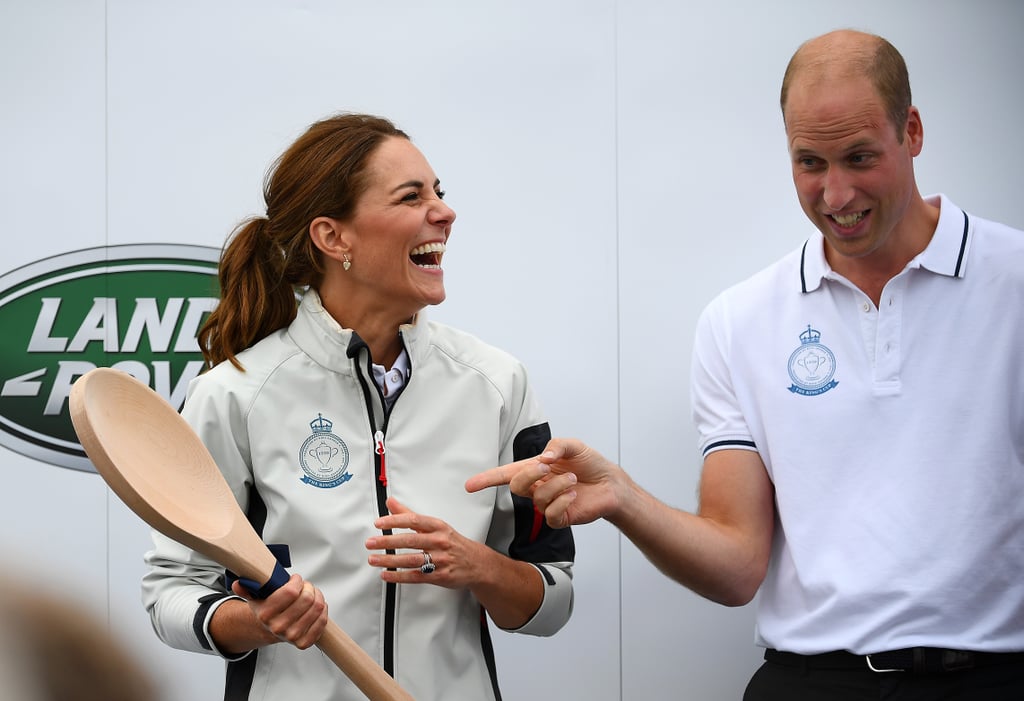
x,y
358,666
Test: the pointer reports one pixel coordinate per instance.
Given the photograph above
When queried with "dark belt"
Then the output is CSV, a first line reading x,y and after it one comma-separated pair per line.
x,y
917,660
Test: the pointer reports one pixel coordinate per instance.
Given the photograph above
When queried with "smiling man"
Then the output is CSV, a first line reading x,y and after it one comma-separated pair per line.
x,y
853,135
860,405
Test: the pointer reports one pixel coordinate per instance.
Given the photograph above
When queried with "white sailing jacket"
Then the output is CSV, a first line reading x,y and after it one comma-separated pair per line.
x,y
305,443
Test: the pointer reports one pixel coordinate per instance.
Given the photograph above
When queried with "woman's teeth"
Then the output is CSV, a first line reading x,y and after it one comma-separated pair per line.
x,y
428,255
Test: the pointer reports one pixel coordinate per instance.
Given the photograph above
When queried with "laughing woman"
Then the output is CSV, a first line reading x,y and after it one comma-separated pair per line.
x,y
347,426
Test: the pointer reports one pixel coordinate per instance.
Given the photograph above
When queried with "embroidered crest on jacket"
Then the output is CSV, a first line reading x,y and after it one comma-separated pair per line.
x,y
324,456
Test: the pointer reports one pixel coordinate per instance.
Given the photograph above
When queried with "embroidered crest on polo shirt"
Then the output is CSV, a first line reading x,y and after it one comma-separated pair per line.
x,y
812,365
323,456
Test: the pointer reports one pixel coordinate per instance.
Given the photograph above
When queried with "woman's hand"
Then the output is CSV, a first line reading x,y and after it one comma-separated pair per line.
x,y
295,613
456,559
510,590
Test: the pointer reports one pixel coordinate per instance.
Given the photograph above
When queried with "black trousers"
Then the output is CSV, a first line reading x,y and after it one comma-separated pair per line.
x,y
794,682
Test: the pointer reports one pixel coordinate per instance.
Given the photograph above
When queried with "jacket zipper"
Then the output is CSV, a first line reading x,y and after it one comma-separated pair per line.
x,y
378,441
380,469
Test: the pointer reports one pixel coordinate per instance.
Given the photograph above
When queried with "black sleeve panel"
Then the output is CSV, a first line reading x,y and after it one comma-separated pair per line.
x,y
534,540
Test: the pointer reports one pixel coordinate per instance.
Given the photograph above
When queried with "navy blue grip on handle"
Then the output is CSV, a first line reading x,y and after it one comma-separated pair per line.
x,y
277,580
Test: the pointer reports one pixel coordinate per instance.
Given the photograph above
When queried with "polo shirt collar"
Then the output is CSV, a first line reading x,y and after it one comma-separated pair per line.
x,y
946,253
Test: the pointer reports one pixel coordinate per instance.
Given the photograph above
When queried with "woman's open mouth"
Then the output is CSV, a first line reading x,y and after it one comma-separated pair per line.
x,y
428,255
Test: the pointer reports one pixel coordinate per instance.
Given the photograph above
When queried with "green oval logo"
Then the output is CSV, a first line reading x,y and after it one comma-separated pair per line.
x,y
136,308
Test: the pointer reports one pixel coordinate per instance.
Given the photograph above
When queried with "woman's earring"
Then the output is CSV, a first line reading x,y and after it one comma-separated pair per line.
x,y
347,263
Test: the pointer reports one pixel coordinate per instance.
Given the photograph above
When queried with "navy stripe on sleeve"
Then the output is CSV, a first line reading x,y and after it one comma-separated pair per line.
x,y
730,444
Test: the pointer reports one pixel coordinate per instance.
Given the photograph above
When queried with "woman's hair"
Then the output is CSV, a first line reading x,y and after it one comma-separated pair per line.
x,y
268,260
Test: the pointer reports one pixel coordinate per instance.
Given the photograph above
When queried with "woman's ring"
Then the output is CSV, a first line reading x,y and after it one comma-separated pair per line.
x,y
428,565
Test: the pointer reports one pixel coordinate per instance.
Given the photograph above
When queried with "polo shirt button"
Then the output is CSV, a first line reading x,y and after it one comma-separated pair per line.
x,y
867,307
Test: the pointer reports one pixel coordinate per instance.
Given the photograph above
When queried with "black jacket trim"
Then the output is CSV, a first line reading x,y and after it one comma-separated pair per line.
x,y
534,540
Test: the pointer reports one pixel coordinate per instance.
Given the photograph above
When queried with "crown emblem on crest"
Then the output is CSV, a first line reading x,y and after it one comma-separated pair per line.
x,y
320,424
810,335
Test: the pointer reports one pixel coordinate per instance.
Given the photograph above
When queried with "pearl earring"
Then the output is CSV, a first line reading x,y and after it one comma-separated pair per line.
x,y
347,263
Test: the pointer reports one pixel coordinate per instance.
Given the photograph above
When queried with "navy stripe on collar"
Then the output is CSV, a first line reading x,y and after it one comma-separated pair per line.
x,y
963,247
803,276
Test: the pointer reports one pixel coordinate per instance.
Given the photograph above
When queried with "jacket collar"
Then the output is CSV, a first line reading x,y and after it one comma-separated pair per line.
x,y
330,344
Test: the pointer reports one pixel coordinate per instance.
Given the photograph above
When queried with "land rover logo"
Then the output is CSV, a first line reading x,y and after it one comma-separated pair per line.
x,y
136,308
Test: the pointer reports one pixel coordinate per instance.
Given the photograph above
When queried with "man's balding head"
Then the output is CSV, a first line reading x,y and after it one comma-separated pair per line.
x,y
845,54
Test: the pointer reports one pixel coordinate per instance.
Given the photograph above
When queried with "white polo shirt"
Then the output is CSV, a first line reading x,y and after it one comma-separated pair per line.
x,y
894,438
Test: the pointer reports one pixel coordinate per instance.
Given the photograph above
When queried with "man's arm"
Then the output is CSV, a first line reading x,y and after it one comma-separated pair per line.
x,y
721,552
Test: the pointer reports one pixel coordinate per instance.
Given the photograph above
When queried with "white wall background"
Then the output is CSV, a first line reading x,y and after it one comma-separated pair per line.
x,y
614,163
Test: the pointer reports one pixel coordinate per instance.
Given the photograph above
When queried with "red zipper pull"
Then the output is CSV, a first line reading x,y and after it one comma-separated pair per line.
x,y
378,438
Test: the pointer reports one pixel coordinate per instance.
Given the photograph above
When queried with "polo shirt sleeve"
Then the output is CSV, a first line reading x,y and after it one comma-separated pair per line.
x,y
717,414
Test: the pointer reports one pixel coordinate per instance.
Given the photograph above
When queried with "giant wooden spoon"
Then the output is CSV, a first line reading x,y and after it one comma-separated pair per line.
x,y
153,460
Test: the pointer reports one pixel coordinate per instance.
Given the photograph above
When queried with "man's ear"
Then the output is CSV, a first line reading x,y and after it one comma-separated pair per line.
x,y
330,237
915,132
